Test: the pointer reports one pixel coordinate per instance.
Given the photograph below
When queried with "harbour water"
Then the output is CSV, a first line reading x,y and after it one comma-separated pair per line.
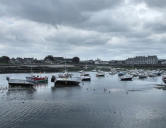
x,y
104,102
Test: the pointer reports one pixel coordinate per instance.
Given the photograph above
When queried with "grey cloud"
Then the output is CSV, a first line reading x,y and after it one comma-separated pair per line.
x,y
153,3
56,11
108,29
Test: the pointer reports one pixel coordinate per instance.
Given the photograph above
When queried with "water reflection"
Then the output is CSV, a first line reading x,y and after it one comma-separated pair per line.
x,y
102,102
160,86
20,93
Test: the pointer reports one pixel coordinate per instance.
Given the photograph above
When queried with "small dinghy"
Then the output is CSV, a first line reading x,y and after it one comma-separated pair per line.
x,y
85,76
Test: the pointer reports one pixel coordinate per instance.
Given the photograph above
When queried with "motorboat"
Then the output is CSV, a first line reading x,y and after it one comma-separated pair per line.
x,y
65,75
100,74
19,82
121,73
126,77
142,76
37,79
67,82
85,76
164,79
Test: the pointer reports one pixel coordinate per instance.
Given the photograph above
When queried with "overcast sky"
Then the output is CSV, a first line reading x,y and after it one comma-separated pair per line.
x,y
90,29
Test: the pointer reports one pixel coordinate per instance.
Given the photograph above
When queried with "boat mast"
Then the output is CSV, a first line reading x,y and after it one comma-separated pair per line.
x,y
65,65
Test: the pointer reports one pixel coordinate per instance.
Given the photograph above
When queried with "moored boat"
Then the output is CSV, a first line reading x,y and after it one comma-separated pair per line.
x,y
85,76
67,82
142,76
19,82
100,74
37,79
164,79
121,73
126,77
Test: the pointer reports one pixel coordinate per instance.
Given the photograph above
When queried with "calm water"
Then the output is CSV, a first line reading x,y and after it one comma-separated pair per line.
x,y
133,104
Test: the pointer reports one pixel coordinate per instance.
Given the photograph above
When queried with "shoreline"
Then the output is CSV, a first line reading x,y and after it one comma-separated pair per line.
x,y
70,68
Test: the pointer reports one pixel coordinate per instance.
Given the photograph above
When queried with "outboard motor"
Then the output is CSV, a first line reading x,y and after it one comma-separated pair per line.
x,y
53,78
7,78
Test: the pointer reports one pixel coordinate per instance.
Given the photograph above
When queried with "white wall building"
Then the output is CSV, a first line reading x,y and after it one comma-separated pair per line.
x,y
139,60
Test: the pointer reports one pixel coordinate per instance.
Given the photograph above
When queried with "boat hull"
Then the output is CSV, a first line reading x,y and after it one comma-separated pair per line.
x,y
37,80
100,75
19,83
126,79
86,79
66,83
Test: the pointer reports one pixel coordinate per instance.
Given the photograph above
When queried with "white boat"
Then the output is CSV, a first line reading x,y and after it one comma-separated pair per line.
x,y
85,76
100,74
94,70
19,82
126,77
142,76
65,75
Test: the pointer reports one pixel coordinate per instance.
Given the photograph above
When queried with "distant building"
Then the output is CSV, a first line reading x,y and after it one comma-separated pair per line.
x,y
19,60
98,61
162,61
68,60
87,62
116,62
142,60
28,60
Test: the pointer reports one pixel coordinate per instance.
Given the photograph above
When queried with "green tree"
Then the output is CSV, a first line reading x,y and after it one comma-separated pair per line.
x,y
4,59
49,57
76,60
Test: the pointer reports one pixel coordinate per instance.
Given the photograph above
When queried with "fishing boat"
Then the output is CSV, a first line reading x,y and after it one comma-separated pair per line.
x,y
100,74
126,77
37,79
67,82
65,75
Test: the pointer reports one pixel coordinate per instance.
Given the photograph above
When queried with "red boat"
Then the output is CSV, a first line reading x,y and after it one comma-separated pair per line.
x,y
164,79
37,79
